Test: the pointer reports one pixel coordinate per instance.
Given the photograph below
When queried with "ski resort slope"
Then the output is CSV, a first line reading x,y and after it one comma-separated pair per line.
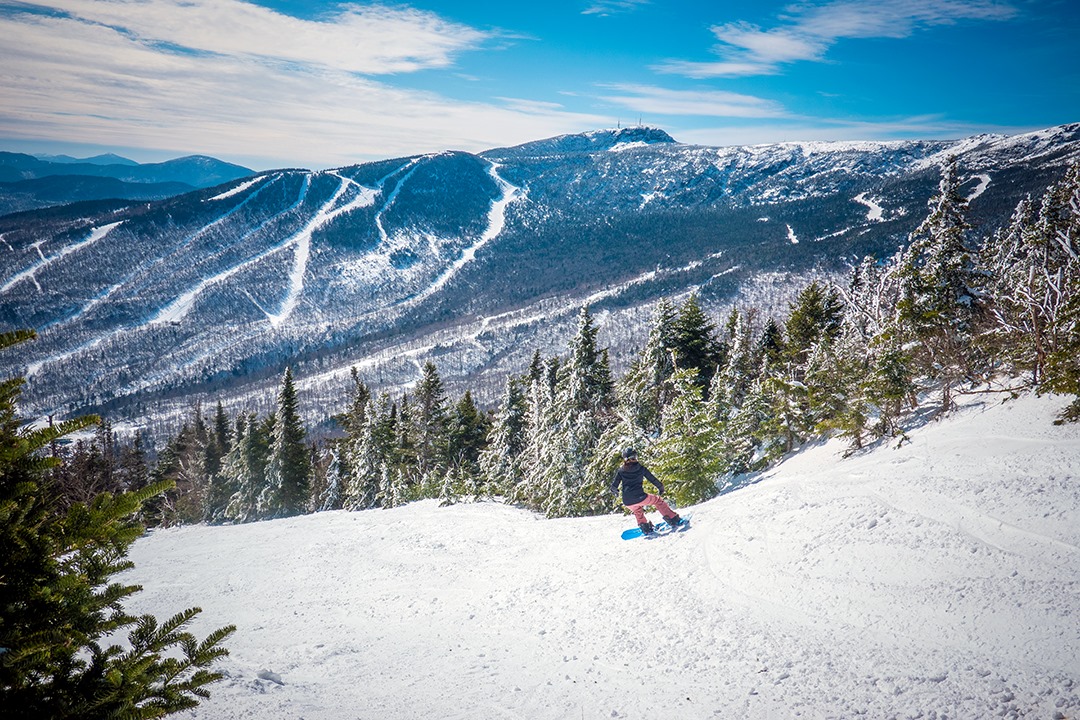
x,y
938,579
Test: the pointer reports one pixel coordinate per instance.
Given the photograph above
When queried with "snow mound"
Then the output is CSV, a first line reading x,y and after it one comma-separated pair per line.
x,y
938,579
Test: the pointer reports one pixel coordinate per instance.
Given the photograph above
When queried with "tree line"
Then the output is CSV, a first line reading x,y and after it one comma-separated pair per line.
x,y
705,401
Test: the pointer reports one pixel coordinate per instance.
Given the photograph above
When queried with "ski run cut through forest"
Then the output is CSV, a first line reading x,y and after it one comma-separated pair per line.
x,y
937,579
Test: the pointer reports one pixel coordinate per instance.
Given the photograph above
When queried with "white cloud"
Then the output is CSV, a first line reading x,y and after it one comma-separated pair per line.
x,y
807,31
370,39
653,100
247,82
611,7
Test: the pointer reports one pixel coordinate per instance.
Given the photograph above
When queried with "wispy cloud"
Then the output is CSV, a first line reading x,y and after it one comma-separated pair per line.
x,y
230,78
370,39
653,100
806,31
612,7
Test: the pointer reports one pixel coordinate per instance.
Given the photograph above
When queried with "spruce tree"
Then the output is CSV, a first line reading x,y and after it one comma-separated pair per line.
x,y
816,313
940,304
688,457
288,473
695,342
501,462
62,610
583,406
645,389
430,428
371,456
245,469
541,449
332,496
467,437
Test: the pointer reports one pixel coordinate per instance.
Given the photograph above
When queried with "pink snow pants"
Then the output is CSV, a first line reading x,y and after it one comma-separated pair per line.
x,y
639,508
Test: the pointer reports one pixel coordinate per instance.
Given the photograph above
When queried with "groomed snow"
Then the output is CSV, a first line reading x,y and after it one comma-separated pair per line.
x,y
940,579
875,212
94,235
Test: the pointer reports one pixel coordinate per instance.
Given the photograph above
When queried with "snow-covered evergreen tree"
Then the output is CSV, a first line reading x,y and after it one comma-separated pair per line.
x,y
332,494
244,470
430,426
501,462
816,313
467,433
644,390
288,473
939,304
695,342
689,457
371,455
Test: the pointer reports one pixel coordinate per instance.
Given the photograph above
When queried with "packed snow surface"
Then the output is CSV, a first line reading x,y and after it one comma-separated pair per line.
x,y
937,579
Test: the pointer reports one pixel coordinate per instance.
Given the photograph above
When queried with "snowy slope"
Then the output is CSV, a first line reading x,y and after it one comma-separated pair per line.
x,y
940,579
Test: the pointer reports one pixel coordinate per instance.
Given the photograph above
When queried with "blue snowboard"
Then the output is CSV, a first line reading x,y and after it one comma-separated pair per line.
x,y
661,528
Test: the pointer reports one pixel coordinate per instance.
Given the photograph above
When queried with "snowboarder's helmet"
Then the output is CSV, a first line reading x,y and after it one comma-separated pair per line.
x,y
629,453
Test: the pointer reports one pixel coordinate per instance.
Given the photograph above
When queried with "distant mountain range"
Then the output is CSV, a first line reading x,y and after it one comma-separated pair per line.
x,y
29,182
471,260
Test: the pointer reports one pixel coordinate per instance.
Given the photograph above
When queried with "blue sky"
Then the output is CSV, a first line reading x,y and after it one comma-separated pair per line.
x,y
315,84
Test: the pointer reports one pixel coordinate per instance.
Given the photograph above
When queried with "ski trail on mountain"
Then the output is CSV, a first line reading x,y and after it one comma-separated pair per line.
x,y
410,169
178,308
95,234
236,190
102,297
984,182
496,223
175,311
875,213
302,243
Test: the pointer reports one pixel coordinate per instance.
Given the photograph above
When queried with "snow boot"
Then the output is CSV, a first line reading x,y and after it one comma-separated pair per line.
x,y
674,521
647,528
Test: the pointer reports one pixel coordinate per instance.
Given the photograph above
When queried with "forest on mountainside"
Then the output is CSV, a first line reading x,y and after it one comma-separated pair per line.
x,y
705,401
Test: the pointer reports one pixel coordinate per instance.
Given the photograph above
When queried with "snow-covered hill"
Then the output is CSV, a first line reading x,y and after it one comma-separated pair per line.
x,y
937,580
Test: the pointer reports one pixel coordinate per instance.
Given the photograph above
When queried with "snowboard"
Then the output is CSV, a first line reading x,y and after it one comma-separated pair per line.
x,y
660,529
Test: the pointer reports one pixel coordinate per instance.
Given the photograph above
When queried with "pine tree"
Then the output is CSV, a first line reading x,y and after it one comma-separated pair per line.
x,y
583,405
238,474
61,608
430,428
644,390
789,421
940,304
695,343
371,457
218,441
816,313
332,496
288,473
688,457
541,449
850,367
501,463
467,437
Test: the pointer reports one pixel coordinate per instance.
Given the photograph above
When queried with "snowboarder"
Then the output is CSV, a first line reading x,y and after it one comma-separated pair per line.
x,y
630,475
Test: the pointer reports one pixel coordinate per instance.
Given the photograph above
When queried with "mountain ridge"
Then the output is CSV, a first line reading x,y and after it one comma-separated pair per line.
x,y
473,260
96,178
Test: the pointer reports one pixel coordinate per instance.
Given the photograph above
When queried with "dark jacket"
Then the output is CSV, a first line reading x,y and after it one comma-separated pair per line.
x,y
630,475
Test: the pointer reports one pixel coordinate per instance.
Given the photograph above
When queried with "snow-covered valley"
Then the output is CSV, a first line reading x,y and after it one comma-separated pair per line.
x,y
937,579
